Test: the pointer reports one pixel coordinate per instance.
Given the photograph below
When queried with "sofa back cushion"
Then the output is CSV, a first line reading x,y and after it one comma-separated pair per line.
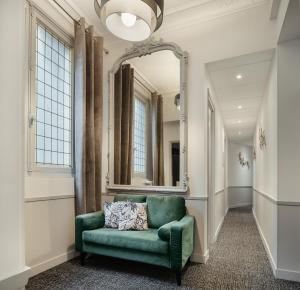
x,y
128,197
164,209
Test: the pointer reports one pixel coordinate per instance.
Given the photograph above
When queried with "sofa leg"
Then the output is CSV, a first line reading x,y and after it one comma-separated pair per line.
x,y
82,258
178,278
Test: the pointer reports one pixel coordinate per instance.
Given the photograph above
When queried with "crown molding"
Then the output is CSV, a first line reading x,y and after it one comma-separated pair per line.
x,y
185,6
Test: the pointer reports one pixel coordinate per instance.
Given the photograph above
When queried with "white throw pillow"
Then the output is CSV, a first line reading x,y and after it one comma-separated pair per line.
x,y
133,216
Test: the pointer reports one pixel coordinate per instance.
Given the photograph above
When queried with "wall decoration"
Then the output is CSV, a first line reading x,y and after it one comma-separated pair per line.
x,y
262,139
243,162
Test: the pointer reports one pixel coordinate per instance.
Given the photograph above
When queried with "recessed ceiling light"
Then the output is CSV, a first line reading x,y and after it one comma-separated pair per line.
x,y
240,133
240,107
239,121
239,77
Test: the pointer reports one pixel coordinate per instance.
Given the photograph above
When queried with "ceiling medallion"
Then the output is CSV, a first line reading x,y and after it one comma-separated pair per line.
x,y
132,20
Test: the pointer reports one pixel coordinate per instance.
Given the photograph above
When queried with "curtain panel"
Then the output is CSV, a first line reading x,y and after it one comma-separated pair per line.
x,y
123,123
88,111
158,139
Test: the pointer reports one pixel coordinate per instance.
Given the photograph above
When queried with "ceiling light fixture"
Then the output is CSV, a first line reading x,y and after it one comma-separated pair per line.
x,y
240,133
132,20
239,77
239,121
240,107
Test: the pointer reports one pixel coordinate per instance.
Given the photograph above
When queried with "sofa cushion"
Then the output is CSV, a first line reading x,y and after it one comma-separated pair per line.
x,y
128,197
147,241
164,209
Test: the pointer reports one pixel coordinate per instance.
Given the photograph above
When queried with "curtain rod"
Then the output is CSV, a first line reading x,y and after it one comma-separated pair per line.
x,y
75,20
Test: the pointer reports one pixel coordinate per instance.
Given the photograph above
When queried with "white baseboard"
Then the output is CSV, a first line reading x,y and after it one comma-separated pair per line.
x,y
16,281
240,205
219,228
50,263
287,275
267,248
202,259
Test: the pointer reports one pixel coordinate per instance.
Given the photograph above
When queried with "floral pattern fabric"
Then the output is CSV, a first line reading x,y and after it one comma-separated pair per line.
x,y
133,216
126,215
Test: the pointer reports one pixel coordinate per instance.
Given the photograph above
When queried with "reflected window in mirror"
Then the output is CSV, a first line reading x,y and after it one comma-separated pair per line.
x,y
146,113
139,138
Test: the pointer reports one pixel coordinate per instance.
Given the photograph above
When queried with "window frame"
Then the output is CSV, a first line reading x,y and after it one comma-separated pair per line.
x,y
143,99
36,18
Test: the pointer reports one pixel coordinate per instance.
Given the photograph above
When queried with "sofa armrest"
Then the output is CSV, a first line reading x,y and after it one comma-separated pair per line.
x,y
164,232
84,222
181,242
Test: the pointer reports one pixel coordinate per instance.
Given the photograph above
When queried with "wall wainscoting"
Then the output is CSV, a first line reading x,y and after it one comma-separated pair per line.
x,y
49,231
278,233
239,196
17,280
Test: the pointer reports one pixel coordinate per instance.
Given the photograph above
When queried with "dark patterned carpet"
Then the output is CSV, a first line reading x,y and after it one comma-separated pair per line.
x,y
238,261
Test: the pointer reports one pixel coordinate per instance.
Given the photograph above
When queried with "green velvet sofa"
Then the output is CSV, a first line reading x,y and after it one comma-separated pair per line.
x,y
168,242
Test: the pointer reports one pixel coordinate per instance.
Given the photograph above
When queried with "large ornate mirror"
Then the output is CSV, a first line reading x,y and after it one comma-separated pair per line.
x,y
147,122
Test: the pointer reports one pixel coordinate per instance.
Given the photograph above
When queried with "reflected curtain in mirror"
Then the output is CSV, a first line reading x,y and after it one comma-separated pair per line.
x,y
157,139
123,114
88,53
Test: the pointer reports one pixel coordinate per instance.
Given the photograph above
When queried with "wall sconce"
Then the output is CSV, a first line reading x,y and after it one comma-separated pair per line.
x,y
177,101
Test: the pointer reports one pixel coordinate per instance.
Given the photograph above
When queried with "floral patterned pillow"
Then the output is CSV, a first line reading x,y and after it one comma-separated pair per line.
x,y
133,216
111,213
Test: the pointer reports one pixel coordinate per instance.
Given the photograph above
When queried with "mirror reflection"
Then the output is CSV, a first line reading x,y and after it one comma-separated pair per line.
x,y
146,121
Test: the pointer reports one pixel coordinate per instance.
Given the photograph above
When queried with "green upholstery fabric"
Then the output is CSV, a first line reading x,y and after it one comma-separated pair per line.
x,y
128,254
147,241
127,197
85,222
164,232
164,209
182,242
168,243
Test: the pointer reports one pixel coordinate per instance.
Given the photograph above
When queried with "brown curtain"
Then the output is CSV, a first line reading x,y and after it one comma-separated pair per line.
x,y
158,140
88,108
123,112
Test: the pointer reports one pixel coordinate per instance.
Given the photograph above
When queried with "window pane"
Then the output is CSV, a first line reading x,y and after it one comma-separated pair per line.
x,y
139,136
53,99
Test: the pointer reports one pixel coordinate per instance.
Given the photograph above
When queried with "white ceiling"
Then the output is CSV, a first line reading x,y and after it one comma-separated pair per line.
x,y
178,13
160,69
246,92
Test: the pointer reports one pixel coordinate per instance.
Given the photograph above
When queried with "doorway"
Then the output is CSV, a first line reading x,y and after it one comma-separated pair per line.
x,y
175,163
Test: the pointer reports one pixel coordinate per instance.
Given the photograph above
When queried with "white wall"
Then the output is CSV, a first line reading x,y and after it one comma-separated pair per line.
x,y
49,198
240,179
171,134
288,158
218,197
49,233
265,167
239,175
13,273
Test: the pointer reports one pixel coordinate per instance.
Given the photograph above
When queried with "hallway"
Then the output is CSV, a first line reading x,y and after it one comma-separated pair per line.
x,y
238,261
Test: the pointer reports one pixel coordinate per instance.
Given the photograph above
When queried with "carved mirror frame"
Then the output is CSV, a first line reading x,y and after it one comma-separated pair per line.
x,y
138,50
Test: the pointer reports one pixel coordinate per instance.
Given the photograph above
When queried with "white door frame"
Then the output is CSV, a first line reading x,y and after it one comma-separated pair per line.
x,y
210,169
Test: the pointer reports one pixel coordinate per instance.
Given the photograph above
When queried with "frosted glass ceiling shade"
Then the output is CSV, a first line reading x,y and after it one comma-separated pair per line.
x,y
133,20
